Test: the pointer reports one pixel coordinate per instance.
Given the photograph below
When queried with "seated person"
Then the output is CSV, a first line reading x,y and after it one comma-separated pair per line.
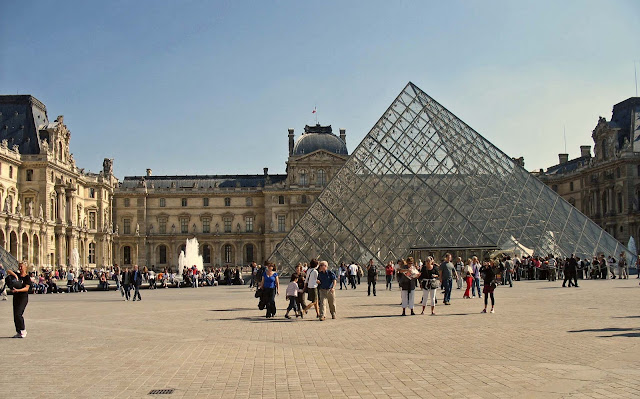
x,y
80,283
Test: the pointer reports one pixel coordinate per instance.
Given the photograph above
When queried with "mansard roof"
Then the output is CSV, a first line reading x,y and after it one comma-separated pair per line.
x,y
21,119
202,181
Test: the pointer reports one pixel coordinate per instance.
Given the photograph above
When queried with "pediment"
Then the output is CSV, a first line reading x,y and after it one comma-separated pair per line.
x,y
320,155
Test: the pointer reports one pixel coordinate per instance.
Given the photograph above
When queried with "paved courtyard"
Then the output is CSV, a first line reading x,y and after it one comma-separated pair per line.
x,y
543,341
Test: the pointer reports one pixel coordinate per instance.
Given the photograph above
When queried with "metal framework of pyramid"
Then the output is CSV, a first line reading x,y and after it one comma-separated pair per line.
x,y
422,178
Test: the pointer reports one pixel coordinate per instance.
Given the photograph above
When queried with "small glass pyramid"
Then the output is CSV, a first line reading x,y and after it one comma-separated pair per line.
x,y
423,178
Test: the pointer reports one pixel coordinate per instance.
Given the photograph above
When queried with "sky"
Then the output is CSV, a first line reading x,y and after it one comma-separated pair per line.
x,y
211,87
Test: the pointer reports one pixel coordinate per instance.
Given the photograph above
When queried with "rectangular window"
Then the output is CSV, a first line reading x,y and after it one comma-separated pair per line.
x,y
29,174
281,200
206,225
92,220
248,221
162,226
227,201
163,255
92,253
249,201
281,223
205,202
619,202
163,203
227,225
92,194
184,202
140,201
126,226
184,225
126,201
571,186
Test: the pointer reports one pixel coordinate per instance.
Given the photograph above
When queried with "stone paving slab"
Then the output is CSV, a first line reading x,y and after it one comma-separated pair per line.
x,y
543,341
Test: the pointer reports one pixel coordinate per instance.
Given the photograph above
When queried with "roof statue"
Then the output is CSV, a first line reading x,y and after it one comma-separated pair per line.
x,y
422,178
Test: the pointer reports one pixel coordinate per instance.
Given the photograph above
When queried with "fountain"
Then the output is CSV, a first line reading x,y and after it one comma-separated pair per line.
x,y
74,260
190,256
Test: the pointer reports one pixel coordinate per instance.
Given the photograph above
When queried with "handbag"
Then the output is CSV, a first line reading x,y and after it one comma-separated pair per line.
x,y
433,284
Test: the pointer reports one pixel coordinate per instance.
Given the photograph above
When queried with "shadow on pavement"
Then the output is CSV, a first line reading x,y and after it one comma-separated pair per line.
x,y
624,332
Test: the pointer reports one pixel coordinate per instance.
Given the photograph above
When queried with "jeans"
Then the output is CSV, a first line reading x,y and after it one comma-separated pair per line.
x,y
127,291
136,292
475,286
118,281
448,286
252,282
369,283
508,279
330,297
352,281
293,304
343,281
389,280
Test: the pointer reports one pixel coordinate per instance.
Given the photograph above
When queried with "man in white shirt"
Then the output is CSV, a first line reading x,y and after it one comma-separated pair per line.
x,y
353,273
312,286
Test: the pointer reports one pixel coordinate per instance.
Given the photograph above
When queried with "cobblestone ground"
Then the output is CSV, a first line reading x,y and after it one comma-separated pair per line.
x,y
543,341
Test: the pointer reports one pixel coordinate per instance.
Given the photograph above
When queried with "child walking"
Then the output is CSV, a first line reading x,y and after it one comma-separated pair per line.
x,y
292,295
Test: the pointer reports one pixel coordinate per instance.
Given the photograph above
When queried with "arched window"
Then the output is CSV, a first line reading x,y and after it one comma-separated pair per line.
x,y
228,253
206,254
126,255
162,255
92,253
303,178
322,177
13,244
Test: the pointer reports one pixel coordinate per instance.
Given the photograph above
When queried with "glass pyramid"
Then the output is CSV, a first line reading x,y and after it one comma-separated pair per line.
x,y
422,178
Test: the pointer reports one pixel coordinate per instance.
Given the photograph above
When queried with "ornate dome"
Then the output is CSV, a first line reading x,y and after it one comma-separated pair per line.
x,y
319,138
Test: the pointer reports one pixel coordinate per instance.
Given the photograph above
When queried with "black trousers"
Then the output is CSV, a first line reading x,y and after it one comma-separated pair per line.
x,y
136,292
369,283
19,305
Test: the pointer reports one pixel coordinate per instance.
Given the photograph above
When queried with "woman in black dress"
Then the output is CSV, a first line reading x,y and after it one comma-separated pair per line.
x,y
489,276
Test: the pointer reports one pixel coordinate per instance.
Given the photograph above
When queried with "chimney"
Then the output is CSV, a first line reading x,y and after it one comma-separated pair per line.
x,y
585,151
266,171
149,172
564,158
343,135
290,142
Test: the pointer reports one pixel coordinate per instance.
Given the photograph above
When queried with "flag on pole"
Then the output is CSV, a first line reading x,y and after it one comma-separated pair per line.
x,y
314,110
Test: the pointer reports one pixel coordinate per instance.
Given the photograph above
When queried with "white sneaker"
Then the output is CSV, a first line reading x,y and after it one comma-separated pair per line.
x,y
23,333
492,311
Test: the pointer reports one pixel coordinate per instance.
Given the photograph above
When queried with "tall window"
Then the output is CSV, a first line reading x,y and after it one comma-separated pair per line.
x,y
163,202
92,252
206,225
10,172
322,177
303,178
29,174
127,202
248,221
183,201
205,202
126,255
92,194
281,223
184,225
227,201
281,199
126,226
206,254
571,186
619,202
162,254
92,220
303,199
249,201
228,253
227,224
249,253
162,225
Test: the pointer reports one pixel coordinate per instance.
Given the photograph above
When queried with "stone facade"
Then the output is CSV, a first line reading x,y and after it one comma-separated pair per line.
x,y
49,207
605,186
236,218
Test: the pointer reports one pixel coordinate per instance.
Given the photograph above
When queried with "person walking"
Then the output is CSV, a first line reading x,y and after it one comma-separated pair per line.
x,y
326,290
571,271
429,284
508,271
118,278
407,276
292,295
623,271
312,286
447,274
372,277
270,285
20,290
301,284
254,269
353,273
459,266
468,278
475,268
343,275
137,282
388,272
488,273
127,281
